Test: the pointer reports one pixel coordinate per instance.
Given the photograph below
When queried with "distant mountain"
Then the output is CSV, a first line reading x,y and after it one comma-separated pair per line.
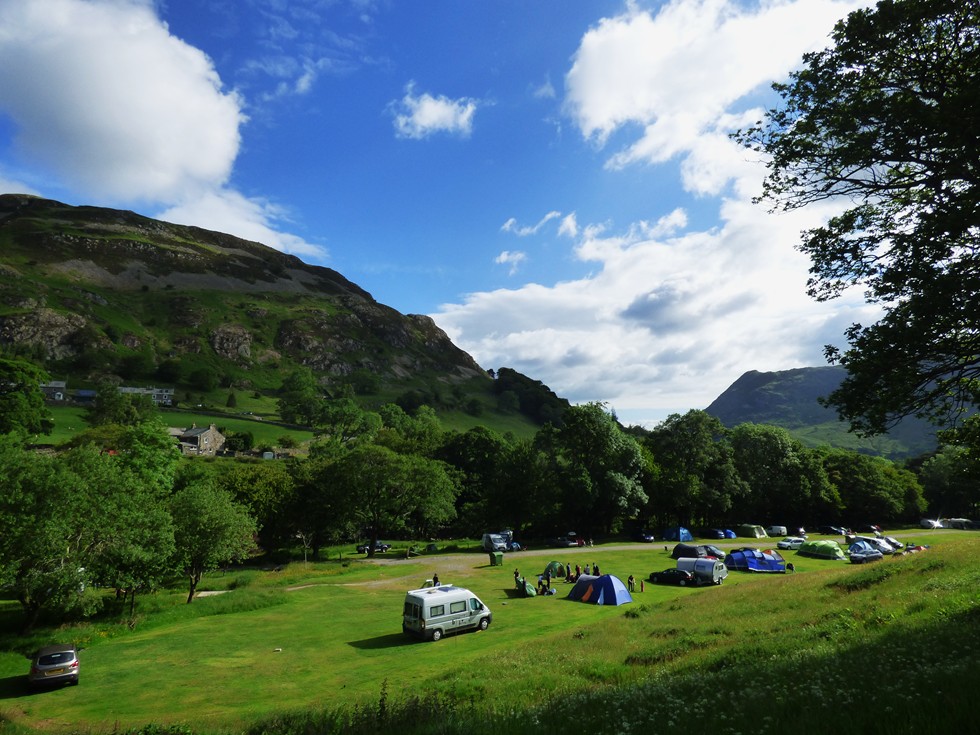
x,y
88,292
788,398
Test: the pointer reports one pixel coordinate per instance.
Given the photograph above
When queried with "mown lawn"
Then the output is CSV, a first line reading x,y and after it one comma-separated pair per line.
x,y
832,645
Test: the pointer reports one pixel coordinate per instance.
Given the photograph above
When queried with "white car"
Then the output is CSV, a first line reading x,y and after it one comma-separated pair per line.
x,y
929,523
791,542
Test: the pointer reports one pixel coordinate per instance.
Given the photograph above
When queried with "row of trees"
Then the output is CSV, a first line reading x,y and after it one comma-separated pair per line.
x,y
118,506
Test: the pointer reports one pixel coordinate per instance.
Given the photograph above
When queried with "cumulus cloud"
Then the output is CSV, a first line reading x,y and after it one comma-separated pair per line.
x,y
664,322
249,218
420,116
111,103
669,317
107,103
512,258
674,76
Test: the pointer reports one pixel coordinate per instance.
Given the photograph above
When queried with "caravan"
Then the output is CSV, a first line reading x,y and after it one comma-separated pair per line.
x,y
432,613
704,571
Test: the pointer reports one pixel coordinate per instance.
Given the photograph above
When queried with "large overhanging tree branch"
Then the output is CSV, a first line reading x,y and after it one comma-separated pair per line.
x,y
887,120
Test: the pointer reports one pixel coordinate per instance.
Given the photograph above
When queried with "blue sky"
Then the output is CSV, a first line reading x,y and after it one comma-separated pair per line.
x,y
551,181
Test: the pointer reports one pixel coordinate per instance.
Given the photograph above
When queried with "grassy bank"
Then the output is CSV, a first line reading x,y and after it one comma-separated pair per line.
x,y
318,648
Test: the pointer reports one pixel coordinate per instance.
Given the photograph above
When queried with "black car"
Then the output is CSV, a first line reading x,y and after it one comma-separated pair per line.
x,y
673,576
715,533
643,536
712,550
832,530
379,546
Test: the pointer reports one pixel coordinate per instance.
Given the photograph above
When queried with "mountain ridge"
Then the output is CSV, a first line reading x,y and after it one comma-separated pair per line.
x,y
789,399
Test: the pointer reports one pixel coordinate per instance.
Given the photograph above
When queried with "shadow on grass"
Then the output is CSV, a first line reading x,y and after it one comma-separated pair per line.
x,y
391,640
14,687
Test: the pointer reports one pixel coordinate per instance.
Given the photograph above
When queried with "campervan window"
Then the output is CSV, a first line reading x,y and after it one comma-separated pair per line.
x,y
437,610
459,606
475,604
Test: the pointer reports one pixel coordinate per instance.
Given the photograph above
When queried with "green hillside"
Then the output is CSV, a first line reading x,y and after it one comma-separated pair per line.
x,y
790,399
92,294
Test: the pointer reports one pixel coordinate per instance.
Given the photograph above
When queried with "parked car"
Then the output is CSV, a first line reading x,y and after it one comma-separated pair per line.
x,y
791,542
680,577
55,664
929,523
713,550
878,543
868,528
643,536
832,530
715,533
379,546
864,554
894,542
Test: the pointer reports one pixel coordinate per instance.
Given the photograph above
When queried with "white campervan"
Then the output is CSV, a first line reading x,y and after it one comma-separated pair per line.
x,y
435,611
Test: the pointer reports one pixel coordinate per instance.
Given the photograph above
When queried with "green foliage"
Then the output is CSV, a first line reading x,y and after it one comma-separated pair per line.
x,y
602,469
533,397
210,528
21,399
885,122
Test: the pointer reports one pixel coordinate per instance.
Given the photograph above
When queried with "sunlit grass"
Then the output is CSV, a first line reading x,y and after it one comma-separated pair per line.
x,y
317,648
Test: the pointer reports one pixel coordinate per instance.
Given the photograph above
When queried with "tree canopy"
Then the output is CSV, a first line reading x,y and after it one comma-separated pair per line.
x,y
887,121
21,399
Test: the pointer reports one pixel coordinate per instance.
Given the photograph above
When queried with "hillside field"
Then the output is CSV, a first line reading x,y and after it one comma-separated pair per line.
x,y
893,645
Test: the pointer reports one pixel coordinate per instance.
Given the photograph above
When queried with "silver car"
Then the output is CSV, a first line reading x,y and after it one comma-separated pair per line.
x,y
57,664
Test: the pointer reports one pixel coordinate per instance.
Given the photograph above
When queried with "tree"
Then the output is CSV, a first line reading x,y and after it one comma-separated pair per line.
x,y
113,407
21,399
266,489
300,398
42,548
210,529
873,489
391,492
603,468
887,121
783,478
697,479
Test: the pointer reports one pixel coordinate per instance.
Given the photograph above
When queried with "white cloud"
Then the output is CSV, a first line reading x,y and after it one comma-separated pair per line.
x,y
676,75
419,116
232,213
663,322
569,226
669,318
523,231
545,90
513,258
107,103
110,102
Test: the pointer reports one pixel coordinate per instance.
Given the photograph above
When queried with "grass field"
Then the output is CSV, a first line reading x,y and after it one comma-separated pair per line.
x,y
893,646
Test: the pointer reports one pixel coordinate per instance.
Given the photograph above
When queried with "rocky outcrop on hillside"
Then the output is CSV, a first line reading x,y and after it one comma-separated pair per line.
x,y
49,332
87,288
